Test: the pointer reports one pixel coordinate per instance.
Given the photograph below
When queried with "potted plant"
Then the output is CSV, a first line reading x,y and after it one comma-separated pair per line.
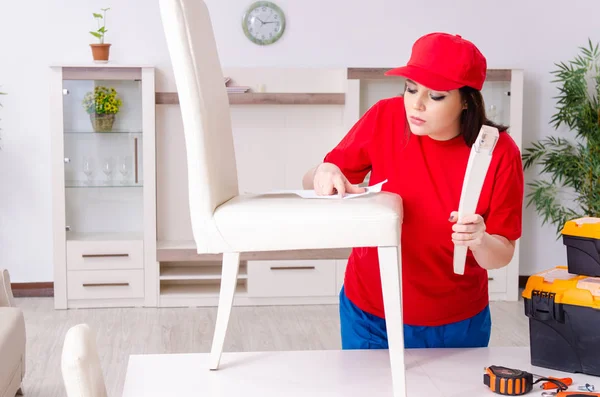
x,y
572,166
102,105
101,50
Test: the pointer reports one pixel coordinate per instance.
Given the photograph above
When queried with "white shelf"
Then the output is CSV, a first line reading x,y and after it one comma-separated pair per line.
x,y
101,184
175,244
201,272
105,236
197,290
107,133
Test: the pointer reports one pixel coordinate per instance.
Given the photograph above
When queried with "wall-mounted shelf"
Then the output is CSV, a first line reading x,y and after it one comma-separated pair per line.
x,y
267,98
379,73
185,251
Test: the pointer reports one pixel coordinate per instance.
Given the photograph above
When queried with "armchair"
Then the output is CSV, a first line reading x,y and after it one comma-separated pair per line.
x,y
12,340
227,222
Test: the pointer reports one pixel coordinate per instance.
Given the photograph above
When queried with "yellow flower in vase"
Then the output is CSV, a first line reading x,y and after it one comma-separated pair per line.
x,y
102,105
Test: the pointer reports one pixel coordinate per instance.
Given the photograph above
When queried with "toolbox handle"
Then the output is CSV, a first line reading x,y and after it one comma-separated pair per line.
x,y
542,306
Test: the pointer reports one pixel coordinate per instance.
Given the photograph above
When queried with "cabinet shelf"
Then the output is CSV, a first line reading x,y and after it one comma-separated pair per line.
x,y
197,289
199,272
109,236
100,185
267,98
185,251
85,132
379,73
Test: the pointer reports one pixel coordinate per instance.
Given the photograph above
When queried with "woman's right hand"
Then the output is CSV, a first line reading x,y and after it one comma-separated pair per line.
x,y
329,180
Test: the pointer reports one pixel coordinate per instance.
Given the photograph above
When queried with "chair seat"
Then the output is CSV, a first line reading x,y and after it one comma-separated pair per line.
x,y
12,349
266,222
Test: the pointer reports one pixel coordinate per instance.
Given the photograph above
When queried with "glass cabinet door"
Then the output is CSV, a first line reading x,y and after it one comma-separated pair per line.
x,y
103,141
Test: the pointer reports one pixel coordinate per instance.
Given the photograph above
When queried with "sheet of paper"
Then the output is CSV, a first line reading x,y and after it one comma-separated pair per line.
x,y
310,194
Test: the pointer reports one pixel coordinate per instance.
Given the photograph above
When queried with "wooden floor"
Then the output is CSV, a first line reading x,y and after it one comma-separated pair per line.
x,y
121,332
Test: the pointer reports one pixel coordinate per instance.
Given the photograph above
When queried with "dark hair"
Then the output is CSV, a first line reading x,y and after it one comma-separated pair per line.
x,y
473,117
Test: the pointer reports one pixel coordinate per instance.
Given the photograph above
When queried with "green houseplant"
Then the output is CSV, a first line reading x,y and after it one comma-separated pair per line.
x,y
572,166
100,50
102,105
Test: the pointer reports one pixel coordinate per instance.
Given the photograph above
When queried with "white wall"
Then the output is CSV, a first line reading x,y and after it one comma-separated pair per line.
x,y
321,33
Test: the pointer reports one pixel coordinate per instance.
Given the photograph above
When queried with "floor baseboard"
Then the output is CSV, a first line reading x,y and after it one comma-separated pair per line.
x,y
46,289
33,290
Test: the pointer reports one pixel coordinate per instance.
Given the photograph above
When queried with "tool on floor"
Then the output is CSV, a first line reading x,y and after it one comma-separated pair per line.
x,y
477,167
552,385
569,394
515,382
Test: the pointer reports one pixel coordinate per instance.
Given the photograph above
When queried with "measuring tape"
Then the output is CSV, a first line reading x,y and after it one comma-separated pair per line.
x,y
514,382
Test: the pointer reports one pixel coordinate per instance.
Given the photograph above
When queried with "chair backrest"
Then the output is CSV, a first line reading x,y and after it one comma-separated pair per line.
x,y
80,364
204,104
6,295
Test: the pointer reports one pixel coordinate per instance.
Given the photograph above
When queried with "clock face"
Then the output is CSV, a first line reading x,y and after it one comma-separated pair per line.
x,y
263,23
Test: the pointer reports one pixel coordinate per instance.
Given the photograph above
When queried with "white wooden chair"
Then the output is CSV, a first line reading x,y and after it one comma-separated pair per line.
x,y
80,364
224,221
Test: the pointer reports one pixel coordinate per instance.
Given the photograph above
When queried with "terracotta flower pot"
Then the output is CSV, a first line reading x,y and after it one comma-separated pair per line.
x,y
102,122
100,52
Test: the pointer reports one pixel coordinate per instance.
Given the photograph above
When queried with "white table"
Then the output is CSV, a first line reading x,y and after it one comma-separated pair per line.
x,y
331,373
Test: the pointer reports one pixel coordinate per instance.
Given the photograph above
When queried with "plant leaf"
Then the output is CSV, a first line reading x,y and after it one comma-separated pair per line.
x,y
570,165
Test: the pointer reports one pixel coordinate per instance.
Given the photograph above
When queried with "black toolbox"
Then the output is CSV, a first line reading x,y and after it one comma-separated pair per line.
x,y
582,238
564,321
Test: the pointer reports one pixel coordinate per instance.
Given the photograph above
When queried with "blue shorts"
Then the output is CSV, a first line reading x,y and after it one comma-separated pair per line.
x,y
361,330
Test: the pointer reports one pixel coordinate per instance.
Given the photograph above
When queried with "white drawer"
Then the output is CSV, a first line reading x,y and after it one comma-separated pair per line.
x,y
105,284
497,280
292,278
105,255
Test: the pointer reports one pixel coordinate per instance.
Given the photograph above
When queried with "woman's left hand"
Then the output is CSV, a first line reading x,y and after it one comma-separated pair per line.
x,y
469,232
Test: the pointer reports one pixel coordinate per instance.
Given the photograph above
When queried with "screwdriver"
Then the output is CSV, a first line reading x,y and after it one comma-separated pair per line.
x,y
551,385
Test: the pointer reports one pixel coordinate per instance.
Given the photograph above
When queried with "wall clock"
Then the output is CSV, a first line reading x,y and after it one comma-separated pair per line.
x,y
263,23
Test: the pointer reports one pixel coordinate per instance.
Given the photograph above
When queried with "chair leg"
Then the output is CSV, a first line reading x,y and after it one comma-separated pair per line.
x,y
231,265
390,265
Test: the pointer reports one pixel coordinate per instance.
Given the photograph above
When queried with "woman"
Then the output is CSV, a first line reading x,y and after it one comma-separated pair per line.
x,y
420,143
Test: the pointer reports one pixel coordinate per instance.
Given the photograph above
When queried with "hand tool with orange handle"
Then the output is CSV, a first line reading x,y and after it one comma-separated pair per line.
x,y
552,385
570,394
515,382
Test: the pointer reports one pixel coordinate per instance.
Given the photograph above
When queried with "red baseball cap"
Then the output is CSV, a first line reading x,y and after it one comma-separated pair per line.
x,y
444,62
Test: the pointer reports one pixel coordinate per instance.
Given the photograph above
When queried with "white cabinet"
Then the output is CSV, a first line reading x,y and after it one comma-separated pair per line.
x,y
105,225
279,135
103,185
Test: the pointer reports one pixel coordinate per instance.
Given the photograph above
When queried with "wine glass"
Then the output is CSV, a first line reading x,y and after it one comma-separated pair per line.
x,y
107,168
124,168
88,168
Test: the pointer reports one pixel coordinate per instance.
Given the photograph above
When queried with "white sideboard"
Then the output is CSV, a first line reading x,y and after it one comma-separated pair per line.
x,y
279,134
277,140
